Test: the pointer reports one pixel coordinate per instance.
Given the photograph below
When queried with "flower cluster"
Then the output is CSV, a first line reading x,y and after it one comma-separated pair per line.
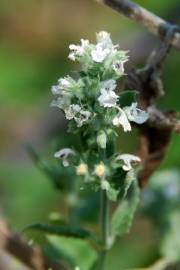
x,y
95,109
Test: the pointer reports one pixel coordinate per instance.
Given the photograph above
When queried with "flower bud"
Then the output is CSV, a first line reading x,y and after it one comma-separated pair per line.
x,y
102,139
81,169
100,170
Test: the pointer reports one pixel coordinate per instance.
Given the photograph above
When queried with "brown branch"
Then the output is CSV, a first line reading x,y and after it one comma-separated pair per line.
x,y
154,135
153,23
163,120
154,138
32,256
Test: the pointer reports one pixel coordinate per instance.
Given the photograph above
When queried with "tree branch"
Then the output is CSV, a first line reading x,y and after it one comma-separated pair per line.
x,y
153,23
32,257
163,120
155,134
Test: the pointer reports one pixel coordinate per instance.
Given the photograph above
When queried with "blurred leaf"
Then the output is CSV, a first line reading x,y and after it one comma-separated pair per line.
x,y
170,245
162,197
86,211
123,215
61,230
57,254
79,251
24,187
56,174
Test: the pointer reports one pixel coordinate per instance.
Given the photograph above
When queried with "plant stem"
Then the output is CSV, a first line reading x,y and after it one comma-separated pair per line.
x,y
104,219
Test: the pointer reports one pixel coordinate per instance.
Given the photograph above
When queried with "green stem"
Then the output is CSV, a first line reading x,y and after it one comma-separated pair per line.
x,y
104,219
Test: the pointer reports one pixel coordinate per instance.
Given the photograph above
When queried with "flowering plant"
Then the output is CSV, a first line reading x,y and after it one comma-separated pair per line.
x,y
95,110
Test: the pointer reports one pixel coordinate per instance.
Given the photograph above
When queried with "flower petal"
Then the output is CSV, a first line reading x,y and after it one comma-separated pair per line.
x,y
128,161
136,115
121,119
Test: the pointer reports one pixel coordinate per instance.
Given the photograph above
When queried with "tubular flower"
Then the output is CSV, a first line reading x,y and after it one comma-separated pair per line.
x,y
128,161
121,119
64,154
136,115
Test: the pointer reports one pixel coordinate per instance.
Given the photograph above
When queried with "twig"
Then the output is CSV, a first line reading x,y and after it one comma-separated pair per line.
x,y
32,256
153,23
163,120
161,264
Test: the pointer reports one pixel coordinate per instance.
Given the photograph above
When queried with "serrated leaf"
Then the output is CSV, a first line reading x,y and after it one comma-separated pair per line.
x,y
127,98
123,215
61,230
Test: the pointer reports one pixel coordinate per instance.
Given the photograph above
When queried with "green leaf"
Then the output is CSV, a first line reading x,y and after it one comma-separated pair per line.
x,y
76,251
57,254
127,98
61,230
123,215
130,177
112,194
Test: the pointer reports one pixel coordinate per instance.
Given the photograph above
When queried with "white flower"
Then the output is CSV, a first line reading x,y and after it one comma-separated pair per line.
x,y
130,113
83,118
99,54
78,50
65,82
108,98
55,89
109,85
66,89
136,115
64,154
68,84
121,119
118,67
72,111
102,35
104,39
78,114
62,102
128,161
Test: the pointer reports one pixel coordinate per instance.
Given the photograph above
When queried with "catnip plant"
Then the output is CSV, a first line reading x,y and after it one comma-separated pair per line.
x,y
95,110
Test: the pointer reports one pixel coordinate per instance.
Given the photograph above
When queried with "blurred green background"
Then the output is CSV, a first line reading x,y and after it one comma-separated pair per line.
x,y
34,40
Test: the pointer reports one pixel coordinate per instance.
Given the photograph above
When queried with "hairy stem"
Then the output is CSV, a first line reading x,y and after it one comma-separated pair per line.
x,y
104,219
